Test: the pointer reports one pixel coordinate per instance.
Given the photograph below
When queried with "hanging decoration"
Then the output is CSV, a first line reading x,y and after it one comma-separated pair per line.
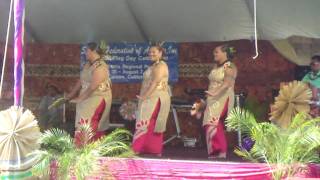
x,y
255,30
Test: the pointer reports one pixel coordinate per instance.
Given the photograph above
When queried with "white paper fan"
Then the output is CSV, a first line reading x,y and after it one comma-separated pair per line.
x,y
19,133
293,98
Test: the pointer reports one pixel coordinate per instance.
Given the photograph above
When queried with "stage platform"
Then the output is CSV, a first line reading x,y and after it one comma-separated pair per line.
x,y
181,164
154,169
190,164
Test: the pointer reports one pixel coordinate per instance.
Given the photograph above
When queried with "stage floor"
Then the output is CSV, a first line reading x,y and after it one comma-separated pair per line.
x,y
154,169
187,153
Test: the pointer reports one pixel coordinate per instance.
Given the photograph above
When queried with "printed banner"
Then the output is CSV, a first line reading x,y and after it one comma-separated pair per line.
x,y
128,61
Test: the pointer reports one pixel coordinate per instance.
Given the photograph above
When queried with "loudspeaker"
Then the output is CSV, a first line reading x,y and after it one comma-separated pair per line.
x,y
300,72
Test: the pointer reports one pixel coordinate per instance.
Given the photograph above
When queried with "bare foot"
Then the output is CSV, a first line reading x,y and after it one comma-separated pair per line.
x,y
159,155
222,155
218,156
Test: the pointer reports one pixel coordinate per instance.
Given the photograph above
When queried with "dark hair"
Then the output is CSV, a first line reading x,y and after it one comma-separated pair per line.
x,y
92,46
316,57
159,48
95,47
49,85
229,50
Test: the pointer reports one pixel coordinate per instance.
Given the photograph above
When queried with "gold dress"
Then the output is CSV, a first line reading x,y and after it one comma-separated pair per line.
x,y
97,106
147,107
217,108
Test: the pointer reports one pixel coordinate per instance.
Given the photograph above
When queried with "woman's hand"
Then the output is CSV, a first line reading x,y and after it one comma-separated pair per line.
x,y
210,93
216,122
67,96
196,113
142,98
74,91
75,100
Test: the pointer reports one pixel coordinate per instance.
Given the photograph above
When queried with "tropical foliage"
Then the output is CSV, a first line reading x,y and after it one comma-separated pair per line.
x,y
79,155
287,149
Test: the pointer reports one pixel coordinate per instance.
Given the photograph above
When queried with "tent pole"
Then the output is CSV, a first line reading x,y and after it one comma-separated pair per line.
x,y
6,48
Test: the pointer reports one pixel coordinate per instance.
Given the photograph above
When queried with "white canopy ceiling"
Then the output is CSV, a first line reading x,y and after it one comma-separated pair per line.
x,y
76,21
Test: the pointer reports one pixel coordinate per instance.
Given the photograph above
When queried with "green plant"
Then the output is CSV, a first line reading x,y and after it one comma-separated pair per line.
x,y
286,149
79,155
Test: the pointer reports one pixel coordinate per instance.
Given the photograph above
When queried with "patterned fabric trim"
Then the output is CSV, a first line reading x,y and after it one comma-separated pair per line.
x,y
141,129
192,70
52,70
210,132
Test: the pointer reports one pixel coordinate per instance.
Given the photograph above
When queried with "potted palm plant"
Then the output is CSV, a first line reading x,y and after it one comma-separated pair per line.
x,y
286,151
64,157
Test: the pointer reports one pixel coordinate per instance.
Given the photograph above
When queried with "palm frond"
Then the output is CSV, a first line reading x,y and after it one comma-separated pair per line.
x,y
56,140
65,163
79,161
114,144
309,157
297,121
296,144
43,165
113,149
57,103
127,154
305,139
258,153
310,142
245,154
119,134
240,119
85,163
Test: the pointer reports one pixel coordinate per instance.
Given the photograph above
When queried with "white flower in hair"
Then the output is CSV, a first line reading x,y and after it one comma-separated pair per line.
x,y
227,64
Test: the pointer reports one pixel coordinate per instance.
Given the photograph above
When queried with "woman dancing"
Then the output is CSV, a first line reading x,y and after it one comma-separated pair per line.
x,y
220,100
93,103
154,106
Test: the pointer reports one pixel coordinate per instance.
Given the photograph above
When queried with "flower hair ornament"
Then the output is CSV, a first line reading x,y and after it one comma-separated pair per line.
x,y
231,50
227,65
103,49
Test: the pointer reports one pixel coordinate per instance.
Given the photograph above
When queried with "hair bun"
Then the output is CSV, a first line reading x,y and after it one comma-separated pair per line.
x,y
230,51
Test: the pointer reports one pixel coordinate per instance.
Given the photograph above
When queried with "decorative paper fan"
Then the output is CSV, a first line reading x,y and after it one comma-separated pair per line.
x,y
57,103
128,110
293,98
19,133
